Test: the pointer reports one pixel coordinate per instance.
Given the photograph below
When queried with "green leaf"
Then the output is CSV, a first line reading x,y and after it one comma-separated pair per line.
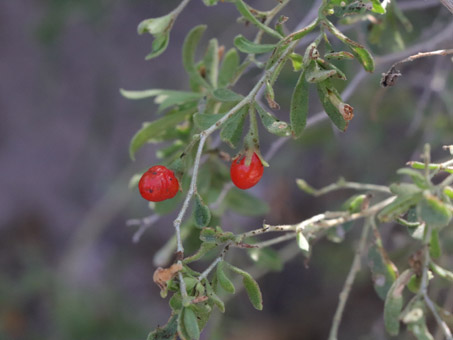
x,y
204,120
223,280
231,132
226,95
202,214
364,57
188,55
360,52
210,2
190,323
299,106
266,258
434,212
297,61
244,203
398,207
249,47
159,45
251,287
228,68
394,303
156,26
416,321
341,55
165,98
272,124
328,66
153,131
302,242
214,298
377,7
382,269
332,111
434,245
216,236
168,332
414,284
443,273
401,189
211,62
448,191
244,10
416,177
313,74
205,247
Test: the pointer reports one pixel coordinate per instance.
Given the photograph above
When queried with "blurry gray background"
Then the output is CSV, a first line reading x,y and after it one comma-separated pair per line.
x,y
68,266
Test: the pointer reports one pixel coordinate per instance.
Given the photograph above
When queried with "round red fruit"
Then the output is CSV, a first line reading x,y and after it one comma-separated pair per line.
x,y
158,184
243,176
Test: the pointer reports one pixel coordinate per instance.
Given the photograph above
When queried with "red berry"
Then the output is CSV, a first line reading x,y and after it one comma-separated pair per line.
x,y
158,184
245,177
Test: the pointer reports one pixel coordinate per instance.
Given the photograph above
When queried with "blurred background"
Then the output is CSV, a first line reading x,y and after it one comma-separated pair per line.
x,y
68,266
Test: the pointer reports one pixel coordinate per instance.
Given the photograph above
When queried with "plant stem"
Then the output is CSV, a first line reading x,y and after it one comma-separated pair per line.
x,y
355,267
424,287
180,7
209,269
340,184
203,137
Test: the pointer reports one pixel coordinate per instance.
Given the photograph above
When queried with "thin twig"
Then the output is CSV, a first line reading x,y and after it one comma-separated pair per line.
x,y
180,7
355,267
341,184
448,4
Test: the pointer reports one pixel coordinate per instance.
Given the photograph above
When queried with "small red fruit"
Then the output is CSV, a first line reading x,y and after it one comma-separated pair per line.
x,y
243,176
158,184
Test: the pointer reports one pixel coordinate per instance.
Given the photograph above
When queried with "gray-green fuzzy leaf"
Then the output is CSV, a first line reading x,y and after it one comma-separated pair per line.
x,y
168,332
188,55
223,280
152,131
202,214
231,132
228,68
251,287
394,303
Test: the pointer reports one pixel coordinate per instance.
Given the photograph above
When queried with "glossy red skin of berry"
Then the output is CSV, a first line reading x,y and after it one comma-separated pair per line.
x,y
158,184
245,177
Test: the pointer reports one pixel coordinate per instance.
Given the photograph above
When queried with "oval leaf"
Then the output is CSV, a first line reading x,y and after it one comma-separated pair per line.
x,y
272,124
394,303
191,324
249,47
188,55
231,132
332,111
364,57
226,95
434,212
251,287
167,332
244,10
223,280
211,62
228,68
203,120
202,214
152,131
